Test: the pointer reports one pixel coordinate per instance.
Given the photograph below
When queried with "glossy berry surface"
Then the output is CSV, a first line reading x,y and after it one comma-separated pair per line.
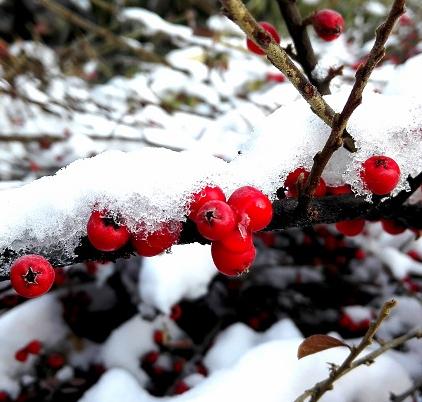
x,y
31,275
229,263
253,208
392,227
328,24
238,240
380,174
209,193
351,228
253,47
154,243
104,233
215,219
300,175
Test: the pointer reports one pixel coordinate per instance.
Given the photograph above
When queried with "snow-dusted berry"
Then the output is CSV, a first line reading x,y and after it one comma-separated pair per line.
x,y
351,228
253,47
380,174
31,275
253,208
209,193
297,178
215,219
154,243
229,263
328,24
104,233
180,388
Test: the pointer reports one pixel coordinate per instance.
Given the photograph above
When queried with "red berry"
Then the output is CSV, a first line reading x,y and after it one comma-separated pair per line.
x,y
158,337
56,361
300,175
230,263
176,312
207,194
360,254
181,387
4,396
104,233
351,228
275,77
60,277
154,243
31,275
328,24
380,174
253,47
151,357
253,208
238,241
215,219
34,347
392,227
339,190
178,365
21,355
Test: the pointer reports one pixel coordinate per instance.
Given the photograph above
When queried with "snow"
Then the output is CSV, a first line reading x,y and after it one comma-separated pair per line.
x,y
21,325
129,342
281,377
61,204
184,273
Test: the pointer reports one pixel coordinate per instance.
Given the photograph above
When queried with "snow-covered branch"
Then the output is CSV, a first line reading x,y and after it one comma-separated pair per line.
x,y
337,136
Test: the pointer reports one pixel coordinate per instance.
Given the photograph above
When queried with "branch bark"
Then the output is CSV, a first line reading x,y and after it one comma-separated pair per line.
x,y
319,389
322,210
336,138
305,53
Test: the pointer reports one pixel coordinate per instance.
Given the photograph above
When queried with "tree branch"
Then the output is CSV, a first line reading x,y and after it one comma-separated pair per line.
x,y
237,11
336,138
319,389
305,53
322,210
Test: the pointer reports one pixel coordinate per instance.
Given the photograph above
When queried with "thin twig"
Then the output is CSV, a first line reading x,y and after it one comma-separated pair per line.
x,y
305,53
237,11
336,138
319,389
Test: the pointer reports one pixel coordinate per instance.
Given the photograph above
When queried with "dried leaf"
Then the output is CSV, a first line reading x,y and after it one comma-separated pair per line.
x,y
318,343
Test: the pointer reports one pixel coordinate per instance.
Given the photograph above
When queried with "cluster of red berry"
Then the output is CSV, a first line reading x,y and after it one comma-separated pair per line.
x,y
328,25
380,175
53,360
229,225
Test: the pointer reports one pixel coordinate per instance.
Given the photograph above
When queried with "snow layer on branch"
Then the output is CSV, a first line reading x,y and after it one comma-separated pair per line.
x,y
155,185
